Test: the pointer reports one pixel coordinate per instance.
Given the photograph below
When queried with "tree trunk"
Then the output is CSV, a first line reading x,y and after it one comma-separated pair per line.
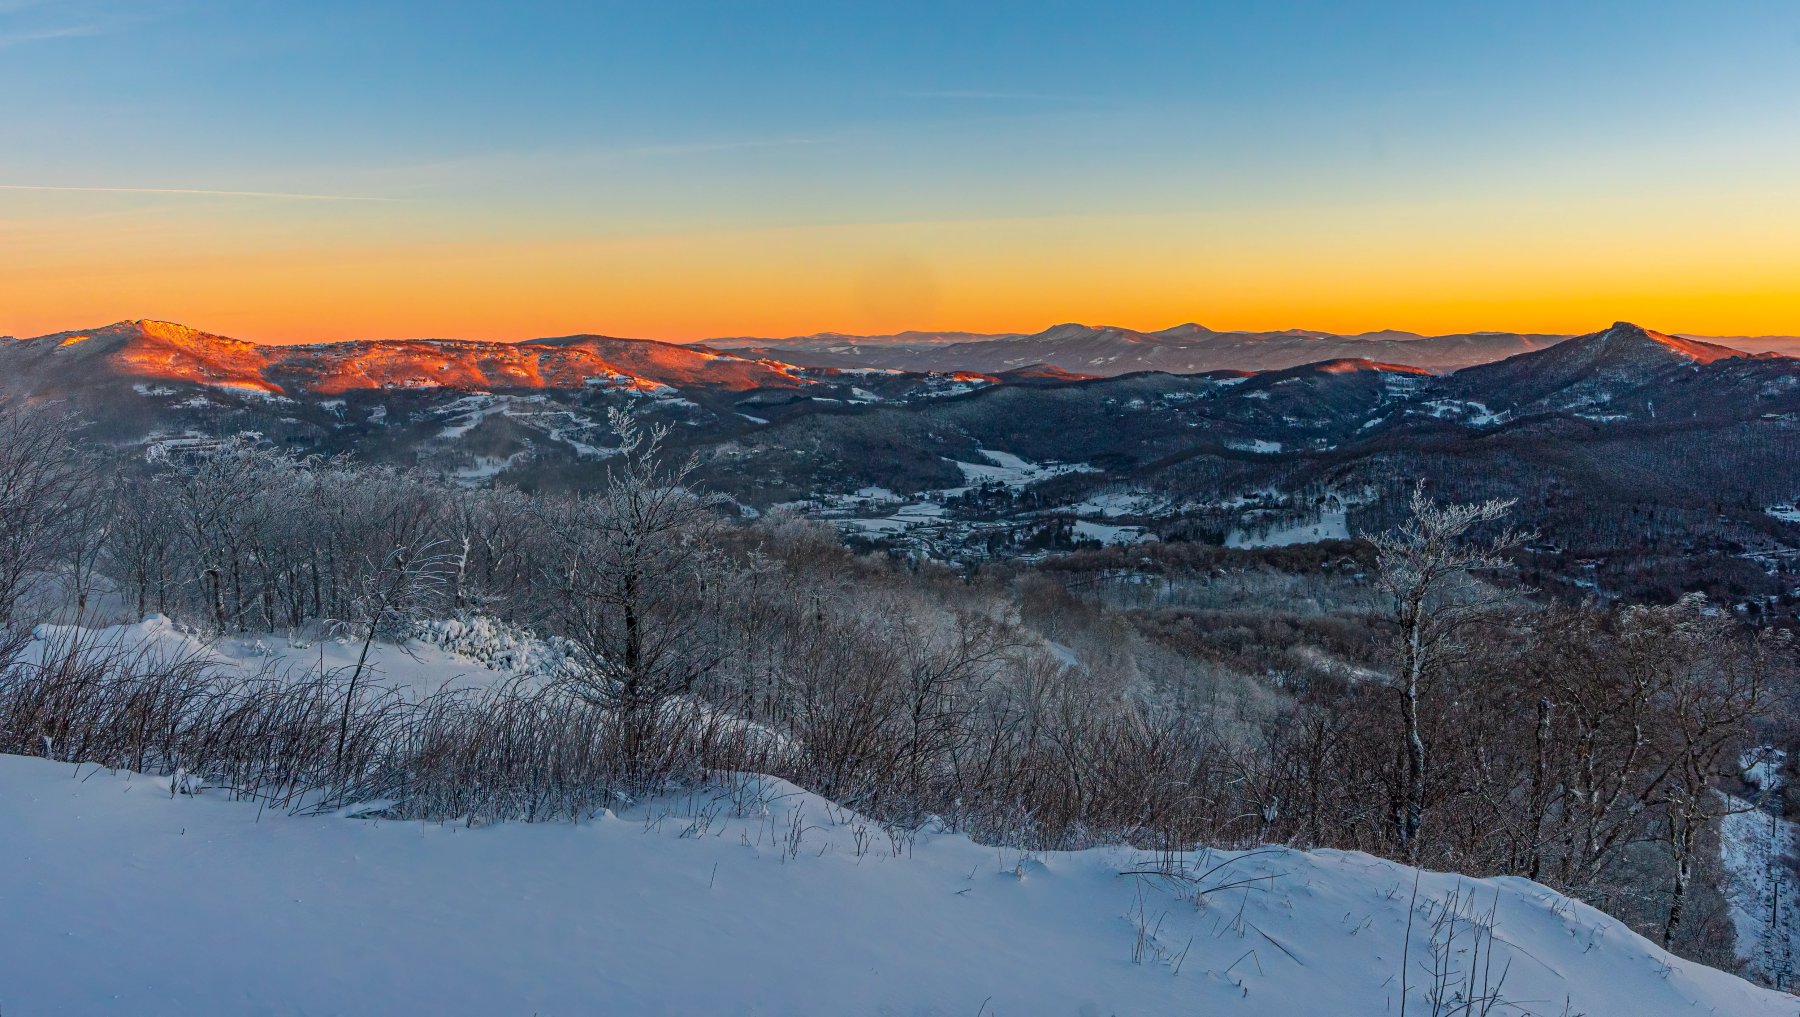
x,y
1683,843
1540,788
1413,809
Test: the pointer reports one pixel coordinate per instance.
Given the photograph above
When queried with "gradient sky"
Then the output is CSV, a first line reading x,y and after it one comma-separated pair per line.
x,y
286,171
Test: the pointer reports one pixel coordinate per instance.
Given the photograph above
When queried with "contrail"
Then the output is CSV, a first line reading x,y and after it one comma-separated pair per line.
x,y
196,191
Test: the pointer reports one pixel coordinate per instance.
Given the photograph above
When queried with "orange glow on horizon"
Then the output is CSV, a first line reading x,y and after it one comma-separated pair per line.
x,y
1344,273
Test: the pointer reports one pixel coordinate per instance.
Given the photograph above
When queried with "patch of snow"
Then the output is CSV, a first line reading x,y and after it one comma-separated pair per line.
x,y
1011,471
1330,525
1257,445
1465,411
249,390
1109,504
158,446
468,413
420,665
488,467
1111,535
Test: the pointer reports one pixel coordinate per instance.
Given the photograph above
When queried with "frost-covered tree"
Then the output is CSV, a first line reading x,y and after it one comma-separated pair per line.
x,y
1429,568
639,564
45,481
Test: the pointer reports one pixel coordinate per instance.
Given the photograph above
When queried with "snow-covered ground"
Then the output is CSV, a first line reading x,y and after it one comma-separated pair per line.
x,y
1107,533
1121,503
1011,471
1760,852
879,512
1331,524
451,654
120,899
1466,411
1257,445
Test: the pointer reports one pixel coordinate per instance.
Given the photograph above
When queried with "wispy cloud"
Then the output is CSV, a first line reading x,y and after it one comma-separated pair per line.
x,y
30,35
192,191
23,22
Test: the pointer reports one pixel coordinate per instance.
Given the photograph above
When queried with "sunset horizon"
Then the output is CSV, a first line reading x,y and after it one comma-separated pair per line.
x,y
385,172
285,339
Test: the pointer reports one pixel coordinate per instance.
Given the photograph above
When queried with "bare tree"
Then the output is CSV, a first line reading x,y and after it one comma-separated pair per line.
x,y
43,476
140,549
639,564
1429,568
1713,684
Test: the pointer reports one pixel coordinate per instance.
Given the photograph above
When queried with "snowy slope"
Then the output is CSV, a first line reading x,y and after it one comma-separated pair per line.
x,y
447,655
121,899
1760,852
1759,849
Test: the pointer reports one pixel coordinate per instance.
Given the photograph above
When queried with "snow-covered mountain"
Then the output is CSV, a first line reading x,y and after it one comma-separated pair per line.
x,y
158,352
1595,371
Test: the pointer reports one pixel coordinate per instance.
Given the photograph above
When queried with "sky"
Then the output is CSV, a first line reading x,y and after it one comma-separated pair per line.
x,y
330,170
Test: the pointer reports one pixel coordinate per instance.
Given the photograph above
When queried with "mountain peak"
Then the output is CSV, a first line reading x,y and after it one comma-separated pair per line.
x,y
1588,370
1624,333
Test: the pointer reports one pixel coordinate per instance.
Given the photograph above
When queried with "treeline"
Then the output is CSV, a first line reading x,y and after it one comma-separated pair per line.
x,y
1458,723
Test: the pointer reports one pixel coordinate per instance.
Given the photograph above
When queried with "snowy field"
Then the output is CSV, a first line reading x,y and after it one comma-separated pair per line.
x,y
1330,525
121,899
1011,471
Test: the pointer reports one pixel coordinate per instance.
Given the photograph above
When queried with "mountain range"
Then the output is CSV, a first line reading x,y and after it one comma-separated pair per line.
x,y
1108,351
1648,462
153,350
1183,349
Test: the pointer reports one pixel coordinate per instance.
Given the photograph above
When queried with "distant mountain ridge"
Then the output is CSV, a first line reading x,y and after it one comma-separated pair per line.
x,y
1530,366
1070,349
160,352
1183,349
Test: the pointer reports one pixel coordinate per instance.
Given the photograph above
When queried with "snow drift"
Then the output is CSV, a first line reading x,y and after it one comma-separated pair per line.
x,y
120,897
